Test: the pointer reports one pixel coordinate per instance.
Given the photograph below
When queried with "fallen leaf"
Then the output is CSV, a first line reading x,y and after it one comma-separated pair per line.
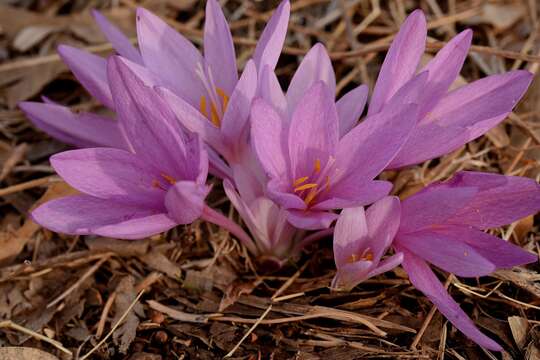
x,y
24,353
125,295
519,327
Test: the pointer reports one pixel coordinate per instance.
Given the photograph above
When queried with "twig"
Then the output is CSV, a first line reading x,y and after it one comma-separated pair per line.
x,y
29,185
122,318
259,320
57,344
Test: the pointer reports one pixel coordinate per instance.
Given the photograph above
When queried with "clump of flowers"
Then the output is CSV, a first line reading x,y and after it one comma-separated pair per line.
x,y
290,162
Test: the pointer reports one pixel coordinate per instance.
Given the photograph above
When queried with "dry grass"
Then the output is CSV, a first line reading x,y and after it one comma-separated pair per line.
x,y
193,293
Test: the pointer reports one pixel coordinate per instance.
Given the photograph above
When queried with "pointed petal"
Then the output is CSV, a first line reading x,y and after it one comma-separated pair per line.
x,y
194,121
383,222
501,253
352,193
271,92
316,66
425,280
500,200
269,138
84,214
429,141
277,190
273,36
350,235
79,129
401,61
150,126
235,120
119,41
311,220
351,274
219,48
444,68
350,106
481,104
185,201
90,70
109,174
374,143
313,132
170,56
444,250
424,209
387,265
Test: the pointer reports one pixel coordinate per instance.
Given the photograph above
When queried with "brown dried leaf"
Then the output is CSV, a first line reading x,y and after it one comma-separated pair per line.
x,y
234,291
125,295
523,227
120,247
30,36
24,353
160,262
519,327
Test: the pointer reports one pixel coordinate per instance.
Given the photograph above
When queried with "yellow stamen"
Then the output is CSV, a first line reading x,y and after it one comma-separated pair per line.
x,y
202,106
352,259
224,98
157,185
300,181
317,166
367,256
305,187
310,196
168,178
214,116
327,185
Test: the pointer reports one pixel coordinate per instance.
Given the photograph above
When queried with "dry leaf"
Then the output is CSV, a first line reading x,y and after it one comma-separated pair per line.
x,y
30,36
125,295
519,327
24,353
160,262
523,227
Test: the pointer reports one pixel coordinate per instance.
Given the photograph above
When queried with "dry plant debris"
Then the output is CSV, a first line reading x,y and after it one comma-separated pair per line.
x,y
193,292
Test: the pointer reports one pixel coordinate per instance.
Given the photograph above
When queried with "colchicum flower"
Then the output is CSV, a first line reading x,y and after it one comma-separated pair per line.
x,y
311,169
361,238
442,225
447,119
209,84
155,186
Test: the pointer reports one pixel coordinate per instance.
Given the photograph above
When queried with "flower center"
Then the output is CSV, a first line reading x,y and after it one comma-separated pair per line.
x,y
308,187
367,255
158,183
214,103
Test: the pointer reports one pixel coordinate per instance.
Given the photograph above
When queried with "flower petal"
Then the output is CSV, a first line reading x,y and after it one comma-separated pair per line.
x,y
79,129
429,141
170,56
185,201
444,250
194,121
352,193
500,200
311,220
374,143
383,222
492,97
401,61
425,280
269,136
119,41
350,235
386,265
84,214
313,132
112,174
272,38
350,106
235,120
90,70
501,253
444,68
271,92
151,128
219,48
316,66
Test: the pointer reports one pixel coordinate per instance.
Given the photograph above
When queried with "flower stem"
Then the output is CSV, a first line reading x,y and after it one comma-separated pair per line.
x,y
221,220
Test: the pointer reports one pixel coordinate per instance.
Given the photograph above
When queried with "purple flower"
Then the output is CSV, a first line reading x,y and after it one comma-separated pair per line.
x,y
131,194
448,119
208,84
316,66
442,225
311,169
361,238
